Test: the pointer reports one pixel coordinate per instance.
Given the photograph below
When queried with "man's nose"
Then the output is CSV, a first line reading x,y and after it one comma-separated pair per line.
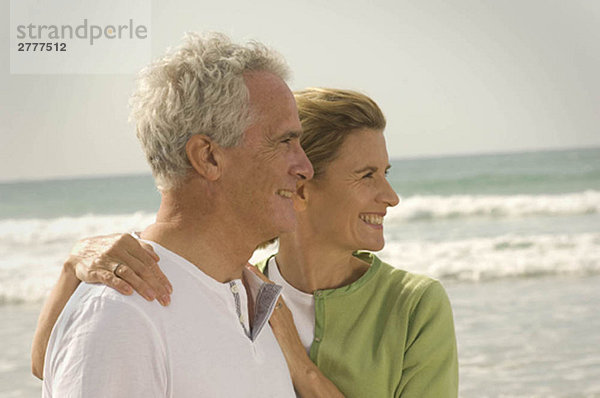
x,y
301,165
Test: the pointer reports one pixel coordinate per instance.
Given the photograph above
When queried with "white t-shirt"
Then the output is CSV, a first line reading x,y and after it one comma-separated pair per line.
x,y
105,344
302,305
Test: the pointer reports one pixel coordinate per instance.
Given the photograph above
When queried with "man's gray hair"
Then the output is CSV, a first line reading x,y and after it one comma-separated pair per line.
x,y
197,89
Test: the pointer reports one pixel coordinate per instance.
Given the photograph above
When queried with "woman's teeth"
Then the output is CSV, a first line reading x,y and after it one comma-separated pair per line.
x,y
285,193
371,219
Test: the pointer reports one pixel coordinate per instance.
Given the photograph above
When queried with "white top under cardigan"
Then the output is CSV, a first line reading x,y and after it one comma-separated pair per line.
x,y
301,304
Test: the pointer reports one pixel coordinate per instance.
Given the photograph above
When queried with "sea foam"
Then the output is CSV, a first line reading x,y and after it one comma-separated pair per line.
x,y
506,256
28,276
33,250
418,208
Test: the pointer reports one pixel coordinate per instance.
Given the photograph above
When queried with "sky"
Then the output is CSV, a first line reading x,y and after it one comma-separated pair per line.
x,y
452,77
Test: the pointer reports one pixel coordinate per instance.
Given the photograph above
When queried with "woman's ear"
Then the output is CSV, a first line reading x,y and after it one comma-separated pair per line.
x,y
300,197
204,155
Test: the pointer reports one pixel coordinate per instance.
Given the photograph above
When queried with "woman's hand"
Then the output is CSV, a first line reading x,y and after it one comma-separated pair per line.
x,y
123,263
307,378
119,261
284,328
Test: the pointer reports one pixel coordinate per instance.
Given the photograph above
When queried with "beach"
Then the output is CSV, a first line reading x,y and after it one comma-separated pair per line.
x,y
514,238
16,334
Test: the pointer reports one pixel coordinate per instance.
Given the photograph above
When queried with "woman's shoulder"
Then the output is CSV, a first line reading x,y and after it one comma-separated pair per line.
x,y
397,276
408,287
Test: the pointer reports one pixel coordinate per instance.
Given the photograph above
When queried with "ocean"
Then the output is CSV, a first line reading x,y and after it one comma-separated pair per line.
x,y
515,239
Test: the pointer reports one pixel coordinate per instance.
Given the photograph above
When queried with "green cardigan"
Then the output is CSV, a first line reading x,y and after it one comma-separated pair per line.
x,y
389,334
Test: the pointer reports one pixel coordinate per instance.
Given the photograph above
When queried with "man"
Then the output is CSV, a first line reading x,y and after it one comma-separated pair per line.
x,y
220,130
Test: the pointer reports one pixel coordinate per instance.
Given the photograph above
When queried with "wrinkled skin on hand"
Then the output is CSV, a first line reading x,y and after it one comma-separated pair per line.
x,y
96,259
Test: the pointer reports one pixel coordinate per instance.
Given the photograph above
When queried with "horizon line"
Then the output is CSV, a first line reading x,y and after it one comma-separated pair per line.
x,y
409,157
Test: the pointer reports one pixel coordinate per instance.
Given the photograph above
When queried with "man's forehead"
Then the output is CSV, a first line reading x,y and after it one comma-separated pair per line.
x,y
265,86
271,101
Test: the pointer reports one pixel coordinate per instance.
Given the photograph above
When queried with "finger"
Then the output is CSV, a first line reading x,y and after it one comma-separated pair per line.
x,y
150,275
143,251
140,276
113,249
150,251
144,254
155,268
257,272
138,284
110,279
281,305
281,314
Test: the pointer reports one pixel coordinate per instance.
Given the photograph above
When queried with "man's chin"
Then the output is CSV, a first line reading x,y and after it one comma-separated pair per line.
x,y
290,227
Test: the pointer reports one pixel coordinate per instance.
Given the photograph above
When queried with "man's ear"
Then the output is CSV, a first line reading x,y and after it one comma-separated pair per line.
x,y
300,197
204,155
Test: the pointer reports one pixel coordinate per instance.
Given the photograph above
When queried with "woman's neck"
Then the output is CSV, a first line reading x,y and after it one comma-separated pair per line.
x,y
309,264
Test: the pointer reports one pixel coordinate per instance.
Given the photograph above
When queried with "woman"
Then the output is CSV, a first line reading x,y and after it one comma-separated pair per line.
x,y
373,330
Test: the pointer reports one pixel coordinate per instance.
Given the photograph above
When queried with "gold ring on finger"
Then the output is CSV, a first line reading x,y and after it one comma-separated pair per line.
x,y
116,269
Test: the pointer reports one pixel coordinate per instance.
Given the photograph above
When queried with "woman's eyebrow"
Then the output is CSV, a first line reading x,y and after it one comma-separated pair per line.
x,y
367,168
372,169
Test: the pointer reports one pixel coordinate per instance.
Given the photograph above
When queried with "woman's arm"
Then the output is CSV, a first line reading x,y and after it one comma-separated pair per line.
x,y
93,260
60,294
431,360
308,380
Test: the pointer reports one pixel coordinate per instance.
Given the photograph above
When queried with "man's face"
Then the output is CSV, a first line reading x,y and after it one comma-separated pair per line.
x,y
263,170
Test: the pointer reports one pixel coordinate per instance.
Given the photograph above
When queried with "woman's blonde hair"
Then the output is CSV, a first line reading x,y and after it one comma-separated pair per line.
x,y
328,116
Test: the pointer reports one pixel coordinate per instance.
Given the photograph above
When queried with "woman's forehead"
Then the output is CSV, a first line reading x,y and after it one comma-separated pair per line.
x,y
364,148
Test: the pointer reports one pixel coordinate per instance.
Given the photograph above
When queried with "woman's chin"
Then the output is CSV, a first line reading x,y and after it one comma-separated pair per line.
x,y
373,246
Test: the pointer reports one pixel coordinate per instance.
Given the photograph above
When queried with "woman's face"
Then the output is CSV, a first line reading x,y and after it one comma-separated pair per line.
x,y
347,204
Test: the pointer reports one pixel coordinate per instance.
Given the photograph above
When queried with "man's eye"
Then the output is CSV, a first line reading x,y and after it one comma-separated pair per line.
x,y
368,175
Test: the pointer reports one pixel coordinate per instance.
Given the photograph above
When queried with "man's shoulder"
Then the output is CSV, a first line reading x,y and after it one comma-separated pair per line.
x,y
96,306
103,335
93,298
100,296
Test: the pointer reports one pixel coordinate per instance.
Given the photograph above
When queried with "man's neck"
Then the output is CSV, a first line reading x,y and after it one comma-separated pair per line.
x,y
202,236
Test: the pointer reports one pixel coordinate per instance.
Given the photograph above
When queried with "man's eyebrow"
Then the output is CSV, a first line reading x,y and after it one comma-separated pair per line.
x,y
289,135
293,134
